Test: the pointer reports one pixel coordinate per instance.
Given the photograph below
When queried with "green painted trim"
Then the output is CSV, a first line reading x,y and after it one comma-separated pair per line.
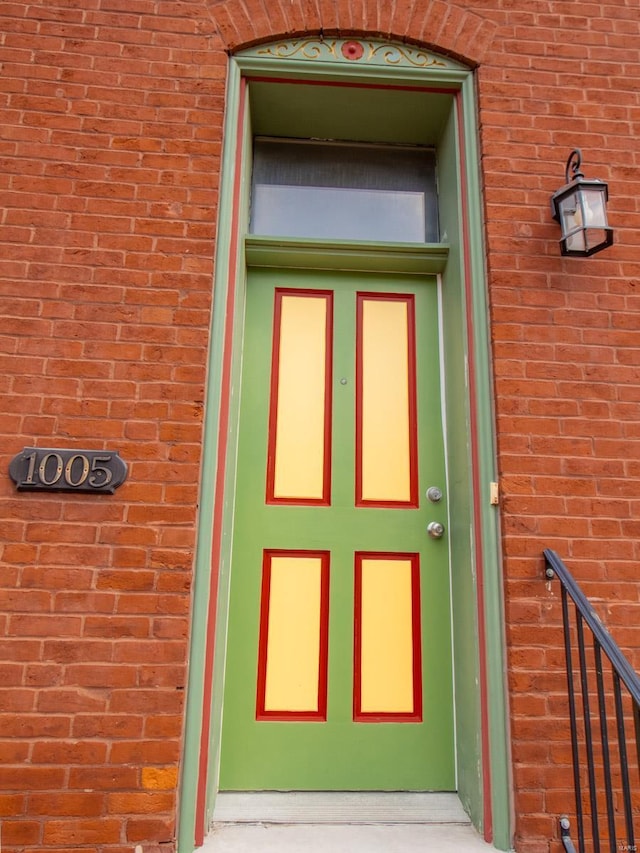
x,y
224,576
347,52
326,71
460,482
202,569
315,58
416,258
494,617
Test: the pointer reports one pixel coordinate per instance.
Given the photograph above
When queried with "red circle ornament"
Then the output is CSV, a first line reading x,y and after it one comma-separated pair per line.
x,y
352,50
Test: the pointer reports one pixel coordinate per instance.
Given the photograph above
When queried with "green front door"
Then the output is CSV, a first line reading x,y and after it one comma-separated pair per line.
x,y
338,666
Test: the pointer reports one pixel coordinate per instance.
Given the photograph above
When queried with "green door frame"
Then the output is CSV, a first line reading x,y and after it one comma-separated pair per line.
x,y
297,89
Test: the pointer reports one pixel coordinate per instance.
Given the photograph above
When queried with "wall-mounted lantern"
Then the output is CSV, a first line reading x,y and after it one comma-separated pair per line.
x,y
580,207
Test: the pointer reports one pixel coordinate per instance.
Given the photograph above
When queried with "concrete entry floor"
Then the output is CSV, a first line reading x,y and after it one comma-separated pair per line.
x,y
340,822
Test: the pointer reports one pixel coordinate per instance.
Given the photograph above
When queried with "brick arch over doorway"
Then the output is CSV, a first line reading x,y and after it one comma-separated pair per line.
x,y
448,28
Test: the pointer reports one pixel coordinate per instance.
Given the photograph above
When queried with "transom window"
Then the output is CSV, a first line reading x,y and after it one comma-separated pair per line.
x,y
344,191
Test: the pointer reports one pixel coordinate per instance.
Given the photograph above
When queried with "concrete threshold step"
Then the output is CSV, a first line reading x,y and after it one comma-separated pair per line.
x,y
338,807
341,822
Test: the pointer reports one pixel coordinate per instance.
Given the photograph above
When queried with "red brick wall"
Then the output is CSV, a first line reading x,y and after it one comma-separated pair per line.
x,y
111,124
111,114
566,358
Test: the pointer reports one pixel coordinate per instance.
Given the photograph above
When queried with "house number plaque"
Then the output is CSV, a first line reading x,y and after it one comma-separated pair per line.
x,y
55,470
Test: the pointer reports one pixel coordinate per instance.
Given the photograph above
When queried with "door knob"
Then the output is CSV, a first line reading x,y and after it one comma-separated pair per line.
x,y
435,529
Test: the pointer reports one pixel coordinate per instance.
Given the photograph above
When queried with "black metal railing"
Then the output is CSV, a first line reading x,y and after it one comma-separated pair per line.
x,y
604,716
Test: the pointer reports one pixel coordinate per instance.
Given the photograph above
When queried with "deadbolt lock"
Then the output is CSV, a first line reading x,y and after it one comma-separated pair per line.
x,y
434,494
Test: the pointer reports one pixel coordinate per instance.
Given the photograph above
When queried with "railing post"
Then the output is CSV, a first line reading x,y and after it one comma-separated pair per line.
x,y
565,827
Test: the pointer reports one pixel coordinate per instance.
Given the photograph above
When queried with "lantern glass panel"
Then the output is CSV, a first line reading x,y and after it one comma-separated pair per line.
x,y
571,220
595,218
595,211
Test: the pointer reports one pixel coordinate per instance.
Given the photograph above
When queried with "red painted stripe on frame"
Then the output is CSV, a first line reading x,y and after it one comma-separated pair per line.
x,y
475,474
359,715
271,498
218,508
412,401
434,90
320,714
